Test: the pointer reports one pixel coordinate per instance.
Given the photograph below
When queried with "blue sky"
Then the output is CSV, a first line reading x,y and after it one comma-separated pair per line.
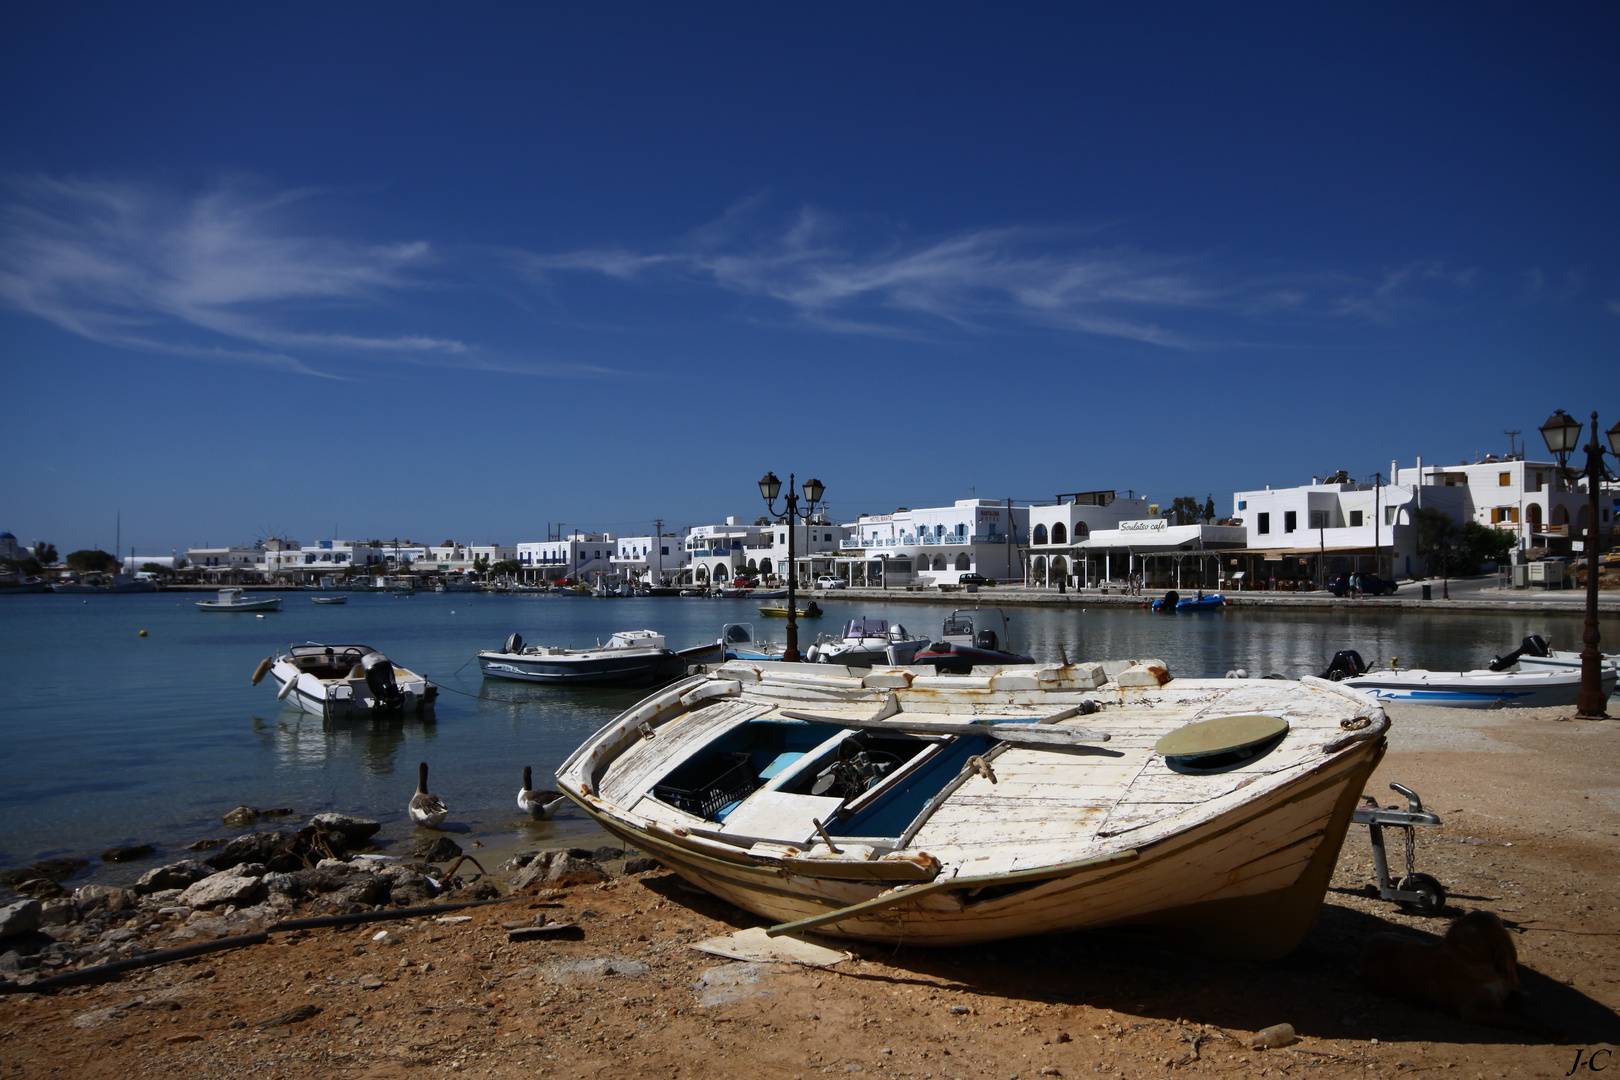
x,y
403,270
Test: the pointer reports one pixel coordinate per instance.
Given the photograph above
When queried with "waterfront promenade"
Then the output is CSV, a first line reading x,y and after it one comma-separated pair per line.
x,y
1473,595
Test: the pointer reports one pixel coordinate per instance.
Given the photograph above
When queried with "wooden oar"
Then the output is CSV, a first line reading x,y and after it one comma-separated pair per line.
x,y
1019,734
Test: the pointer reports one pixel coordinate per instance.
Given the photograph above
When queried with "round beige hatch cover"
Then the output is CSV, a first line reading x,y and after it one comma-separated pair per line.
x,y
1222,735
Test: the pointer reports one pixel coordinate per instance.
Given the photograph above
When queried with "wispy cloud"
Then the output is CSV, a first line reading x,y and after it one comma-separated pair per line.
x,y
226,274
827,273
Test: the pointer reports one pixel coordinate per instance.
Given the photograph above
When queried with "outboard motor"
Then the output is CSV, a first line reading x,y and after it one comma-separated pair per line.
x,y
1534,645
514,644
1347,663
1167,606
381,682
986,640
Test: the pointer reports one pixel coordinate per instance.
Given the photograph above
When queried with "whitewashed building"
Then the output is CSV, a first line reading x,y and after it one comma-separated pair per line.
x,y
935,545
721,553
650,559
579,555
1511,494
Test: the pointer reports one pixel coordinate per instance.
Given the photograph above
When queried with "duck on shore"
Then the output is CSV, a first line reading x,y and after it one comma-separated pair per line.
x,y
539,805
426,809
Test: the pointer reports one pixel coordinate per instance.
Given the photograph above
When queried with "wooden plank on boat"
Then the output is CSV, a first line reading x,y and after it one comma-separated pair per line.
x,y
902,895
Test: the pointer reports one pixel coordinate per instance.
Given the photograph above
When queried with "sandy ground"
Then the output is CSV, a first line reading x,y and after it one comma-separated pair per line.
x,y
1531,810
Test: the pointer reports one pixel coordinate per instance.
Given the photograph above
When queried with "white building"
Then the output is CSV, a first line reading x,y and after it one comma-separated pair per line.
x,y
936,545
1059,532
720,553
1511,494
579,555
461,558
1300,536
651,559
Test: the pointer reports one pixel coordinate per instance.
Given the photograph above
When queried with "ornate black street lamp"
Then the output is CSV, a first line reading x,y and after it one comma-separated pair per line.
x,y
769,488
1562,432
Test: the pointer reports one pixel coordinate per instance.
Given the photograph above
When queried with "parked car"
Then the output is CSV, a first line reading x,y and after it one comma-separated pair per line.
x,y
827,581
1368,584
976,579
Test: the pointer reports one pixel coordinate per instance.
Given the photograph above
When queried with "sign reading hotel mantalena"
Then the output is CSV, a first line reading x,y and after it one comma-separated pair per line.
x,y
1144,525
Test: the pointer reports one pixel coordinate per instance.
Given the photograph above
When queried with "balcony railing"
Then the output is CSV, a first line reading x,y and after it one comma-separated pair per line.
x,y
921,541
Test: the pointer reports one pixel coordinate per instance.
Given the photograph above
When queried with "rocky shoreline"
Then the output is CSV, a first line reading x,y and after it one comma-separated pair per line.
x,y
254,882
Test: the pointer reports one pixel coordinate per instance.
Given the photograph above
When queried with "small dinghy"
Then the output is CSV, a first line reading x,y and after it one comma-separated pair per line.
x,y
346,680
961,647
891,805
231,600
330,599
867,642
630,658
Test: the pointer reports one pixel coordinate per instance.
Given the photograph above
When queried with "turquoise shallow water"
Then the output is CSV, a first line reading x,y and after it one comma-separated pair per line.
x,y
111,738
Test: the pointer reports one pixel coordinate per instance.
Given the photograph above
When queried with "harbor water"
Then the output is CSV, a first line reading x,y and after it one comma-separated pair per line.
x,y
115,739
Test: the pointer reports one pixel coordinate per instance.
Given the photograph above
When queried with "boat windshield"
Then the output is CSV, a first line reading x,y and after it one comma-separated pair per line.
x,y
861,628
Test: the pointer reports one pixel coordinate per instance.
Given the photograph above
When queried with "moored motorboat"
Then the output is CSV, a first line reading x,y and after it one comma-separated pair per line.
x,y
330,599
889,805
1543,687
346,680
867,642
1479,689
630,658
1201,602
780,611
738,642
231,600
961,647
1534,654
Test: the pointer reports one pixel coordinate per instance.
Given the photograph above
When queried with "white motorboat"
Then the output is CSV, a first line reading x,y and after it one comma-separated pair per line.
x,y
231,600
1534,654
346,680
630,658
330,599
1534,688
892,805
867,642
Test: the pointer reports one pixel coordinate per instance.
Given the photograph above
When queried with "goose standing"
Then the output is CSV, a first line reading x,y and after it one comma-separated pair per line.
x,y
539,805
426,809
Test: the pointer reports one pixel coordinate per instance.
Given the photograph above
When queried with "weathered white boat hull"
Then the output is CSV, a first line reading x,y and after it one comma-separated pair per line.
x,y
1055,842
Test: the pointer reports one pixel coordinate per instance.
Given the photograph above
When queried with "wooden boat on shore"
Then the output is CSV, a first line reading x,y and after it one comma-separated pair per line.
x,y
896,805
346,680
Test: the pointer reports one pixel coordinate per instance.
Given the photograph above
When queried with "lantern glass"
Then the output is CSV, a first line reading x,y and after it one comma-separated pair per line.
x,y
769,486
1614,439
1561,431
813,490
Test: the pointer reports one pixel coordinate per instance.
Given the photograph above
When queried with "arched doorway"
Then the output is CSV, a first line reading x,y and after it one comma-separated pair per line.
x,y
1533,512
764,566
1060,535
702,576
962,562
1060,569
939,562
1039,535
720,572
1038,568
1560,517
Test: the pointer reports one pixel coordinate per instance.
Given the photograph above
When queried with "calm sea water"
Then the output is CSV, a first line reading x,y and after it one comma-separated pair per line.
x,y
112,739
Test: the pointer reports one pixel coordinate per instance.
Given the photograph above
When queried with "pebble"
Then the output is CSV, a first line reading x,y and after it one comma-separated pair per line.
x,y
959,1010
1274,1037
371,982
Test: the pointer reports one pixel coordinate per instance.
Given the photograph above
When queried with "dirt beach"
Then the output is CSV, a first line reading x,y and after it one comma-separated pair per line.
x,y
1531,811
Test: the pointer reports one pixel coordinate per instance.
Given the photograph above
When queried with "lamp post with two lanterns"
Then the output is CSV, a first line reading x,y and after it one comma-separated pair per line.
x,y
1562,432
769,488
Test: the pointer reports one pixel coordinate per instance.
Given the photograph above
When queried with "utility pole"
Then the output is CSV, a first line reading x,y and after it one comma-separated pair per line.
x,y
1378,524
658,542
